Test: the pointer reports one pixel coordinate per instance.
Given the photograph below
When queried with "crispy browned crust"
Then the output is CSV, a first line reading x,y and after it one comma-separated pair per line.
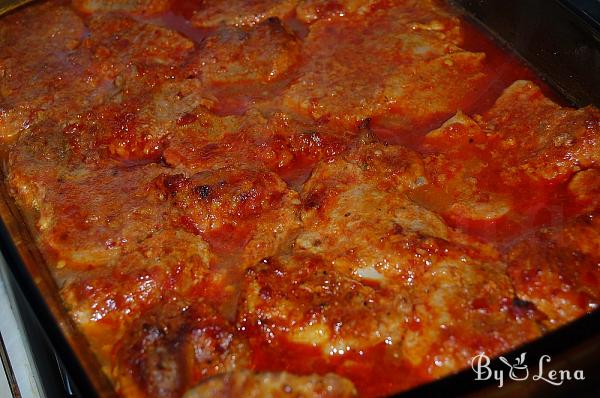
x,y
275,385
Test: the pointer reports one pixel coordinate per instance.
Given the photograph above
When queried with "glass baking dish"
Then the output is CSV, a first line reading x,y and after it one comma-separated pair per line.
x,y
561,41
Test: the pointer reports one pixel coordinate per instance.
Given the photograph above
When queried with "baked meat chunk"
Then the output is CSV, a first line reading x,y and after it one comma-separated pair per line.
x,y
104,302
395,59
124,46
134,127
240,12
81,64
39,82
259,54
274,385
309,11
363,196
141,7
505,171
244,212
300,315
174,346
86,217
558,269
279,142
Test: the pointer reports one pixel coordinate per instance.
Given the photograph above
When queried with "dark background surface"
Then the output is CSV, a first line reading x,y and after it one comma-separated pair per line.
x,y
560,39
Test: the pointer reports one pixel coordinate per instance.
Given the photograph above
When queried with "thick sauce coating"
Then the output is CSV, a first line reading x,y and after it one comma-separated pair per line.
x,y
329,198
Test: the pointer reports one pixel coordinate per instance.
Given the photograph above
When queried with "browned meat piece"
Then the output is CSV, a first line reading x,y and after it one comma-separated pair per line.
x,y
86,212
403,61
240,12
143,7
558,269
236,210
174,346
136,126
34,162
508,166
585,189
311,10
37,82
552,141
105,301
262,53
278,142
464,306
273,385
87,217
362,196
123,46
301,301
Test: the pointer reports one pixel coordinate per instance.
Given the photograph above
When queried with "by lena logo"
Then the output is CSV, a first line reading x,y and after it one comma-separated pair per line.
x,y
519,371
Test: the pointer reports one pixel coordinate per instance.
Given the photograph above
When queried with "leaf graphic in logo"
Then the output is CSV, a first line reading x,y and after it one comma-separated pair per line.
x,y
521,359
505,361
